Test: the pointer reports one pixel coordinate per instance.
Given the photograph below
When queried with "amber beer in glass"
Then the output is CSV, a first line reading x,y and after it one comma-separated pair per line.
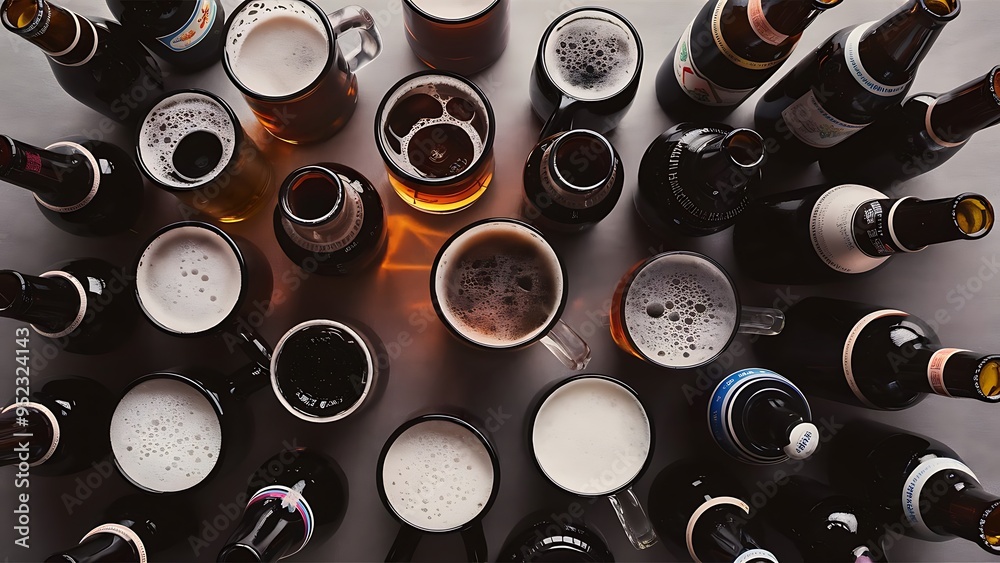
x,y
435,132
463,36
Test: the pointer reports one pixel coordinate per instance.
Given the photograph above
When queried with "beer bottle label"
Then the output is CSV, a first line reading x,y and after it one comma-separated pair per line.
x,y
935,369
696,85
831,228
125,533
762,27
852,54
729,53
196,28
809,121
914,486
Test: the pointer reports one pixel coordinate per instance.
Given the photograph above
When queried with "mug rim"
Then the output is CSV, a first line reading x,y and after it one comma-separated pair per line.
x,y
445,21
372,370
205,392
238,137
436,302
470,170
560,19
634,273
391,440
244,279
571,379
333,51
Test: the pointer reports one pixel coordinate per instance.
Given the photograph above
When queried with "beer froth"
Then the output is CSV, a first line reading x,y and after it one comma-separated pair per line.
x,y
591,57
453,9
437,475
680,311
165,435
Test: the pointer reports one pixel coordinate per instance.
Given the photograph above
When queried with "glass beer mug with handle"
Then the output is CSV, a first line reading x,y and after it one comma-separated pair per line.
x,y
286,59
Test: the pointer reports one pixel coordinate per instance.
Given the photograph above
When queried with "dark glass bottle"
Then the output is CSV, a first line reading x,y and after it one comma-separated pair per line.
x,y
873,356
572,181
758,416
696,179
87,188
918,136
134,528
698,505
83,306
823,233
58,431
917,481
541,538
330,219
826,526
858,73
188,34
305,500
94,60
730,49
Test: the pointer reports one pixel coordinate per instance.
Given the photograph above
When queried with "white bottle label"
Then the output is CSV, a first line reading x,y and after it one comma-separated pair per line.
x,y
762,27
711,503
831,233
848,355
194,30
915,485
852,52
756,555
813,125
695,84
125,533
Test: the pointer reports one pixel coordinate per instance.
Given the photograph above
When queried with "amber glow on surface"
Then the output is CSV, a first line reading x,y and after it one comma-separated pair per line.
x,y
406,237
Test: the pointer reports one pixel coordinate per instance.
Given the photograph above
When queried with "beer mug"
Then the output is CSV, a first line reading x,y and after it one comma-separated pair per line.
x,y
435,132
463,37
497,284
681,310
284,56
192,145
586,72
591,436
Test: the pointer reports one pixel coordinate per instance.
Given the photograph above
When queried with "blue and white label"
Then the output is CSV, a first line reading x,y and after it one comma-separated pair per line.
x,y
852,52
194,30
914,487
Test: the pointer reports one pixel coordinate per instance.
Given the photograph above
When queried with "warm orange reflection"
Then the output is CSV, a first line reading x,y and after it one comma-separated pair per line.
x,y
400,253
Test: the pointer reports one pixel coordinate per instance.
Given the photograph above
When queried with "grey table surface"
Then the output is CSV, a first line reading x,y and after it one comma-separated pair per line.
x,y
430,369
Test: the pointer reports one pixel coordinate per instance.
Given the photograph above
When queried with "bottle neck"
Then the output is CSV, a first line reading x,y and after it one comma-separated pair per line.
x,y
928,368
24,438
914,224
268,531
101,547
319,212
60,180
51,304
955,116
727,163
66,37
900,41
964,510
720,535
776,425
579,168
792,17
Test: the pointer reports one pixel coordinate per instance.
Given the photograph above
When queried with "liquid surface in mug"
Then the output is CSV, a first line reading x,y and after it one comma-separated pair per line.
x,y
165,435
172,121
280,51
323,371
499,284
453,9
437,475
680,311
591,57
591,436
189,279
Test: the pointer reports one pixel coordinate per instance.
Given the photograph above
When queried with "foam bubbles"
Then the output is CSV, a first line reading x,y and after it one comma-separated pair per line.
x,y
591,436
453,9
169,122
591,56
189,279
437,475
165,435
680,311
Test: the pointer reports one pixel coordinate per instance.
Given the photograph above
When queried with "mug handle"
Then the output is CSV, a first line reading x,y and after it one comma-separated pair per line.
x,y
561,119
761,320
475,543
404,546
568,346
637,526
356,17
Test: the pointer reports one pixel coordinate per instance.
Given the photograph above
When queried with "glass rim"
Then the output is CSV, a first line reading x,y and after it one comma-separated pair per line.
x,y
446,21
332,54
369,359
639,267
440,417
472,169
439,309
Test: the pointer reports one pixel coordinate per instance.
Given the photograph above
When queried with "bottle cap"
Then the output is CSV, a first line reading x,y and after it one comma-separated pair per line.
x,y
802,440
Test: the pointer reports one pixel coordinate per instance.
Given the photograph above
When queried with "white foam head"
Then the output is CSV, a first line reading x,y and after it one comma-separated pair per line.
x,y
499,294
277,47
454,9
591,436
189,279
170,121
681,310
165,435
591,55
437,475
